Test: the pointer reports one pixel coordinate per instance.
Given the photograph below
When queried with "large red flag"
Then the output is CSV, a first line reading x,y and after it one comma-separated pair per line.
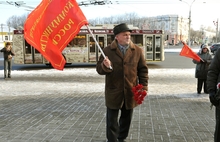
x,y
51,26
188,52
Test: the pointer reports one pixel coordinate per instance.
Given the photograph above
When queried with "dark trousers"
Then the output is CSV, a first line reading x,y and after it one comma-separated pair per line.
x,y
118,130
217,126
200,83
7,66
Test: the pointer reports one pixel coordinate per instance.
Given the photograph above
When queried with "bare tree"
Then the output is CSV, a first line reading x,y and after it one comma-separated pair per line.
x,y
129,18
17,22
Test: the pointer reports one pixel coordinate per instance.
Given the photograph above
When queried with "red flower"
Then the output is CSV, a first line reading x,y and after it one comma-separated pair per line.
x,y
218,86
139,93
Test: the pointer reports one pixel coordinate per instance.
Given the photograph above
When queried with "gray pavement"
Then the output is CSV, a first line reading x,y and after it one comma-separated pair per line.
x,y
172,112
81,118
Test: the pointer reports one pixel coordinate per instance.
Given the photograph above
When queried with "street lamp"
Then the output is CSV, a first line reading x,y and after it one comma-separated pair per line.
x,y
9,24
216,24
190,5
2,31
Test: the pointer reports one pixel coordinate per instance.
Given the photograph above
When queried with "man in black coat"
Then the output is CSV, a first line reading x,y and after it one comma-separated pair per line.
x,y
213,86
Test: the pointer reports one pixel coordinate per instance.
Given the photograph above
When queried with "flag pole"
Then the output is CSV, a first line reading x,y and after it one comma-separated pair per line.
x,y
103,54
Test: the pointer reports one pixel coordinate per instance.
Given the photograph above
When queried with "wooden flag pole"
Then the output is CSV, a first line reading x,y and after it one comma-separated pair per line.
x,y
103,54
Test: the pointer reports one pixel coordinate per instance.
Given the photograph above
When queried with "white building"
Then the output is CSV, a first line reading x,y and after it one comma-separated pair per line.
x,y
176,29
208,37
6,34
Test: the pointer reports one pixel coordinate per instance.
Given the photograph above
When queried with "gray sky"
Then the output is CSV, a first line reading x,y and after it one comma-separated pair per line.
x,y
202,13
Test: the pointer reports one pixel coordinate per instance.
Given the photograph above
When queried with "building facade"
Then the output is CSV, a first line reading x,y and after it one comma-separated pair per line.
x,y
175,27
6,34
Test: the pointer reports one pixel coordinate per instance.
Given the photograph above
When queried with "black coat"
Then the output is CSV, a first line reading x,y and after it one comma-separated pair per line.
x,y
213,76
6,53
201,69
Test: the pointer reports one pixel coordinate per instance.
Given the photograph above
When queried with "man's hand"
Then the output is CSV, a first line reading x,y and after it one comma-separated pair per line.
x,y
107,62
213,99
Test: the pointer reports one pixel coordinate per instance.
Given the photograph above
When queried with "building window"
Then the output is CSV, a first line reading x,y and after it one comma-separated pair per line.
x,y
6,37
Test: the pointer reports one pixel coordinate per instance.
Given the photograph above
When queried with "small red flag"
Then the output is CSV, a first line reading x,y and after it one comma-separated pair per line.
x,y
51,26
188,52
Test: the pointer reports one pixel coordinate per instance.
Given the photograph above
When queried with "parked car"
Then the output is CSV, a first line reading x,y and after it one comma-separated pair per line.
x,y
214,47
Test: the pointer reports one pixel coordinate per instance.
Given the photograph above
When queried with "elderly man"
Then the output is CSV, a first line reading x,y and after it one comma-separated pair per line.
x,y
124,67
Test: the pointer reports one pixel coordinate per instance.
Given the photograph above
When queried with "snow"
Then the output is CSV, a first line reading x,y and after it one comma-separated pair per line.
x,y
51,81
163,82
177,82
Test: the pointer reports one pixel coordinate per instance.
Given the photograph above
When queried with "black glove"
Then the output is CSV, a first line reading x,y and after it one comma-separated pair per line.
x,y
205,61
213,99
201,61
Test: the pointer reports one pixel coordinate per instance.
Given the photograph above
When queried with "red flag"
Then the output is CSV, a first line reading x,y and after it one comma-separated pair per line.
x,y
188,52
51,26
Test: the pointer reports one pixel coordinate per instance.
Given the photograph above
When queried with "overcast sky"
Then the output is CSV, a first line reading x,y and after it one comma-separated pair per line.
x,y
202,13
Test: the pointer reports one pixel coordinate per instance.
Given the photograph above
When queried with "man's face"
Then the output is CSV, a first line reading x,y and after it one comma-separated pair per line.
x,y
123,38
205,50
8,47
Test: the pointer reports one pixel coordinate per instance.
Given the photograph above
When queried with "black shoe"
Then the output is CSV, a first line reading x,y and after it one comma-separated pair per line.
x,y
9,76
198,92
206,92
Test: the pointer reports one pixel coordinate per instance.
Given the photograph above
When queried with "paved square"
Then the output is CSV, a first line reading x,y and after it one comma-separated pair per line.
x,y
172,112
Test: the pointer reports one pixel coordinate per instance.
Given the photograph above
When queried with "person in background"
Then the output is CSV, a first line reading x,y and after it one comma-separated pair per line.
x,y
213,78
129,69
201,45
201,69
8,53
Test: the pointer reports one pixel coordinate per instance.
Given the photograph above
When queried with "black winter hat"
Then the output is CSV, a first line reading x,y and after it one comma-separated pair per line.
x,y
121,28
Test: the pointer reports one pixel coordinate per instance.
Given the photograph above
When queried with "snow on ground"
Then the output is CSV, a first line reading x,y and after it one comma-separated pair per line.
x,y
179,49
51,81
78,80
175,82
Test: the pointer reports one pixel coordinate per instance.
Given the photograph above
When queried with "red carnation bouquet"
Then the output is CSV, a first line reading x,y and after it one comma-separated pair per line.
x,y
139,93
217,95
218,86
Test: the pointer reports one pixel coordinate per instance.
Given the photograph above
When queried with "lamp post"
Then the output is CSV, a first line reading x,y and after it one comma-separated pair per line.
x,y
2,31
216,24
9,30
190,6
